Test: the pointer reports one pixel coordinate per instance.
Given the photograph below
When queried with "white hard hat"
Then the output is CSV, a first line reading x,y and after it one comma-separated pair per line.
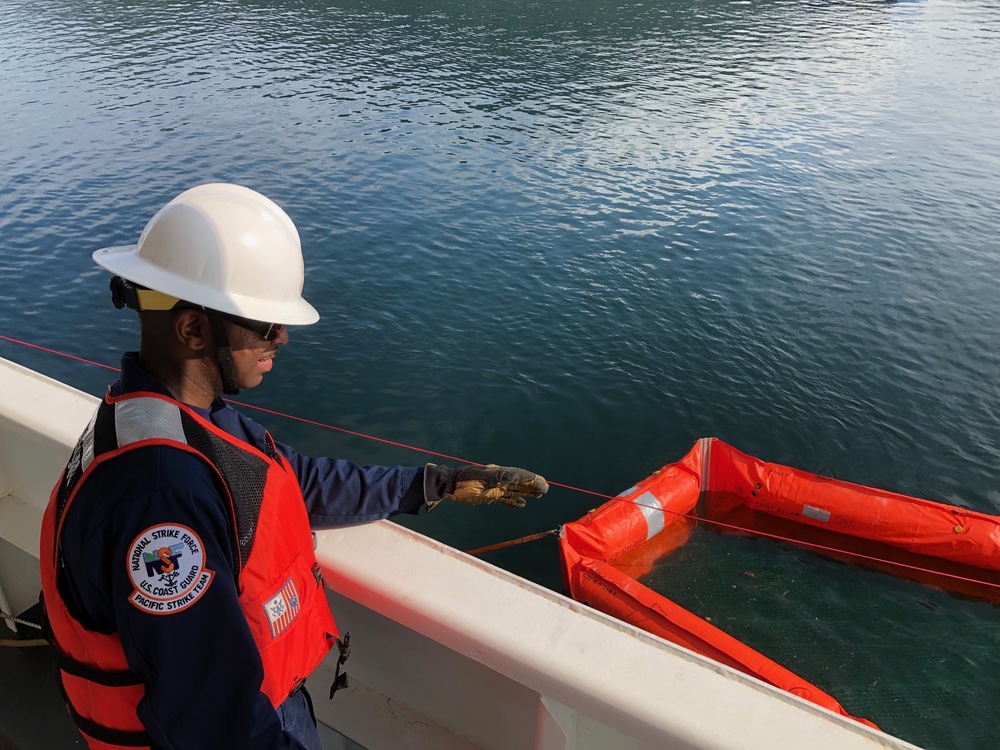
x,y
224,247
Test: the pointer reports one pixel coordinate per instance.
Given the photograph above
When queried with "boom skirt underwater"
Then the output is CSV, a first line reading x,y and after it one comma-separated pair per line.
x,y
717,486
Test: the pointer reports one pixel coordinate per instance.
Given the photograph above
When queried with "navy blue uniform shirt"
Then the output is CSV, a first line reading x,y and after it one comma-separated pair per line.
x,y
200,665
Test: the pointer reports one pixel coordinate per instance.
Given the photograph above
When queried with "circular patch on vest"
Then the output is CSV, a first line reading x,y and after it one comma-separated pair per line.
x,y
167,567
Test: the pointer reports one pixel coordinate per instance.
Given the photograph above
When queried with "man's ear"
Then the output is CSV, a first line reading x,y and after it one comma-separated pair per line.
x,y
192,330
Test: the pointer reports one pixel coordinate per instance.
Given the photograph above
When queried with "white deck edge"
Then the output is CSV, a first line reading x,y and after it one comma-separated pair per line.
x,y
635,682
451,652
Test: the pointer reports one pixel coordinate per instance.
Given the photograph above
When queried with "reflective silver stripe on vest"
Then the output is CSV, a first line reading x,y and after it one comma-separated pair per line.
x,y
86,448
146,418
652,511
136,419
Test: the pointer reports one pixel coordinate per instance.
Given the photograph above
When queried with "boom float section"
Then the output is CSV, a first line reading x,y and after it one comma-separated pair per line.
x,y
717,486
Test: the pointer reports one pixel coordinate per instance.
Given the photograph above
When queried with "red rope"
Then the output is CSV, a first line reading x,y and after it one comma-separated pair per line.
x,y
352,432
53,351
258,408
417,449
832,550
395,443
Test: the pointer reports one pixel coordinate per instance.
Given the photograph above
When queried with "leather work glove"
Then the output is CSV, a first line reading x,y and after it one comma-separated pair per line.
x,y
478,485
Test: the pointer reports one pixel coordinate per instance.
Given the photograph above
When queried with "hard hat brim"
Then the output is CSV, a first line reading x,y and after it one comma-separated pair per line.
x,y
124,261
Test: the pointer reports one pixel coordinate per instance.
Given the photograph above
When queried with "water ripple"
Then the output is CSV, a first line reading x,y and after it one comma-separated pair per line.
x,y
574,236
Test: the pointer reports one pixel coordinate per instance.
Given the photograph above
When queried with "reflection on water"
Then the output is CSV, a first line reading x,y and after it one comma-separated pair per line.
x,y
572,236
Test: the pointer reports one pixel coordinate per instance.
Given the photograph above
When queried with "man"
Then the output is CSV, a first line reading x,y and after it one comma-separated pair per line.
x,y
179,578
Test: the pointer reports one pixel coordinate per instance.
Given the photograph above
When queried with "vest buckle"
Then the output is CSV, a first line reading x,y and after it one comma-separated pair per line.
x,y
298,686
340,679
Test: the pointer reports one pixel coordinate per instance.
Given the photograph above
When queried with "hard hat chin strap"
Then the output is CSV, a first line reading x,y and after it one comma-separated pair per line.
x,y
223,354
126,294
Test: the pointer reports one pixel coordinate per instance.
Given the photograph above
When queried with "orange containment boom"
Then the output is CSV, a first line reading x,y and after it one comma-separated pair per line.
x,y
953,548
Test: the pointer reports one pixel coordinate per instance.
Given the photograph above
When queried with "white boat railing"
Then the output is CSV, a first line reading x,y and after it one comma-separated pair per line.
x,y
449,651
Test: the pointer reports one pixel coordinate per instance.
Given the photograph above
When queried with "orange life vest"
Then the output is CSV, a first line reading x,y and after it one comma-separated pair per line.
x,y
278,579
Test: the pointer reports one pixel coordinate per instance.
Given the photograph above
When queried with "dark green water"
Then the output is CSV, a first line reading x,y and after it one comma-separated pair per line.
x,y
570,236
917,661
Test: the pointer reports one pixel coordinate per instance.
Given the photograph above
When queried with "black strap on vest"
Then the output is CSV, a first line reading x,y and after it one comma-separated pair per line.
x,y
340,680
105,677
108,678
105,734
69,665
223,353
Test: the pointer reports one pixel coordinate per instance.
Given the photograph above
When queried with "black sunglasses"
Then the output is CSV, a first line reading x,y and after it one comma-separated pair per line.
x,y
267,331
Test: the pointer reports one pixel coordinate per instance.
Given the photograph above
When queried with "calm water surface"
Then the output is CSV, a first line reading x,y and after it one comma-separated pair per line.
x,y
570,236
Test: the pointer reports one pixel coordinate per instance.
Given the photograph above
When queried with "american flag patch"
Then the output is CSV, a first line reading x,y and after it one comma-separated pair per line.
x,y
282,608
